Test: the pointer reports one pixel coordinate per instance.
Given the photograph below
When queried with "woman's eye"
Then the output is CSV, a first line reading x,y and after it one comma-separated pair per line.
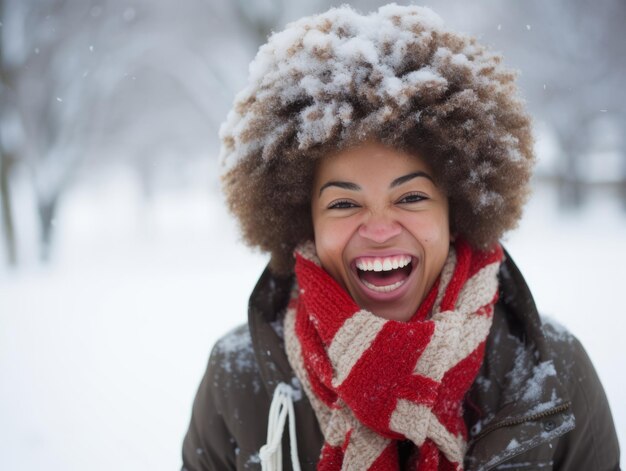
x,y
412,198
342,205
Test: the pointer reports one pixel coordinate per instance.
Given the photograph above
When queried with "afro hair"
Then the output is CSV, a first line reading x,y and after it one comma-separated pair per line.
x,y
397,76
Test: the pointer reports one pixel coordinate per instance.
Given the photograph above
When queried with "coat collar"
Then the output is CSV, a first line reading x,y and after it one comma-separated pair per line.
x,y
267,303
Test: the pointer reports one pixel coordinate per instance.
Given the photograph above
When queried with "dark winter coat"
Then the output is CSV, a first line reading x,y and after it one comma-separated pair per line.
x,y
537,402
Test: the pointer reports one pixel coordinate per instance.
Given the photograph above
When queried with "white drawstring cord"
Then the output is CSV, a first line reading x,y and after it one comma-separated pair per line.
x,y
271,453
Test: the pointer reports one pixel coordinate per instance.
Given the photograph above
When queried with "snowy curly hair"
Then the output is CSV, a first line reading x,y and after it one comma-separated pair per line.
x,y
397,76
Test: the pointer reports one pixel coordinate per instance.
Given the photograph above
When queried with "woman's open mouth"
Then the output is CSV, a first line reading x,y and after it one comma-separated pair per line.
x,y
384,274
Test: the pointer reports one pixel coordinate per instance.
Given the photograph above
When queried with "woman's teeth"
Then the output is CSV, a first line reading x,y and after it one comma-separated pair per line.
x,y
383,289
383,263
384,274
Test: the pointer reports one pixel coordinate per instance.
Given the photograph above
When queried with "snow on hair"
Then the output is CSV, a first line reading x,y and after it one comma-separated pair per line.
x,y
398,76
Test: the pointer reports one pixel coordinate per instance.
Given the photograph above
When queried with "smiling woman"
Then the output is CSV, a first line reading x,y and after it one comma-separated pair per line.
x,y
379,159
381,227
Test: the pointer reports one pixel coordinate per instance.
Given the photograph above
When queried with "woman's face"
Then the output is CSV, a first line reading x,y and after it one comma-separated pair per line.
x,y
381,227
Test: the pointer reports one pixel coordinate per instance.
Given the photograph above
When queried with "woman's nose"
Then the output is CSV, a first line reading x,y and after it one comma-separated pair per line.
x,y
379,228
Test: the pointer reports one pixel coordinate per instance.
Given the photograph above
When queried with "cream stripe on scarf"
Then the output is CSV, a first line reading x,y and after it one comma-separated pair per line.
x,y
445,277
478,288
350,342
417,422
457,333
364,448
455,337
452,446
410,419
294,354
340,422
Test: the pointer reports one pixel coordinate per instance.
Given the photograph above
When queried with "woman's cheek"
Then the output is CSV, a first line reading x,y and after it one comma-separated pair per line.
x,y
332,230
430,230
331,239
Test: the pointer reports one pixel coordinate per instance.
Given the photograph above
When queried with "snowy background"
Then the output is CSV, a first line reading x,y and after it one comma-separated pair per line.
x,y
120,267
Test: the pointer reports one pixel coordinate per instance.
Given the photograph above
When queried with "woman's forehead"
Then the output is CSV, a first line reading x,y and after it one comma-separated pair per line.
x,y
370,159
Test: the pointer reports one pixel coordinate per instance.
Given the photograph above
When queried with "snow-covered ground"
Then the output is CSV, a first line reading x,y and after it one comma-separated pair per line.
x,y
101,351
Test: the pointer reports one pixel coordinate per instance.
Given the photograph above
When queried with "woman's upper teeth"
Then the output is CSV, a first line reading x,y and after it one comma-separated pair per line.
x,y
382,263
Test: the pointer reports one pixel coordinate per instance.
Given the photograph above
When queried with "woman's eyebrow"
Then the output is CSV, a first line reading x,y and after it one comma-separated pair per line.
x,y
344,185
397,182
400,180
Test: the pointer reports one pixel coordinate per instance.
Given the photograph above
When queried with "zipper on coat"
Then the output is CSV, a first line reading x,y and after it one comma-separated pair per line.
x,y
517,421
520,420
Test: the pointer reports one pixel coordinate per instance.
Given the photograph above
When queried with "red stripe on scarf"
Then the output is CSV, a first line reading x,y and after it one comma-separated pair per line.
x,y
316,362
481,259
387,460
460,276
456,382
404,345
331,458
329,311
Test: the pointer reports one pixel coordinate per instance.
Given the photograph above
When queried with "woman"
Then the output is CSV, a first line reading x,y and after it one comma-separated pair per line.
x,y
379,159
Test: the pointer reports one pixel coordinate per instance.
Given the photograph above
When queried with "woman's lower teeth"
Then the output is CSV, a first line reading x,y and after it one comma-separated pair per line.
x,y
384,289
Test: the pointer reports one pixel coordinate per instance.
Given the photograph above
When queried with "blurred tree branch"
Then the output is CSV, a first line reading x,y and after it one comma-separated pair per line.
x,y
260,17
7,160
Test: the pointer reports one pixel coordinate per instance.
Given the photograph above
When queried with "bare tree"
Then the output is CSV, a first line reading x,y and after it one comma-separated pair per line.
x,y
47,58
71,66
7,159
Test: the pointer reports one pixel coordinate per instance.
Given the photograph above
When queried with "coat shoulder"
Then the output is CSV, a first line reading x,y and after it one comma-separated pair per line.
x,y
563,346
226,431
594,431
570,359
556,333
233,354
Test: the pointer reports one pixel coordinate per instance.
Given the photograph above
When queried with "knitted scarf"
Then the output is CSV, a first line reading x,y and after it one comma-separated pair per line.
x,y
374,382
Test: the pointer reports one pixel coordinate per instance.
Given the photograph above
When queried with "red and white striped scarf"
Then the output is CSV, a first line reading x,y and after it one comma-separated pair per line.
x,y
373,382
